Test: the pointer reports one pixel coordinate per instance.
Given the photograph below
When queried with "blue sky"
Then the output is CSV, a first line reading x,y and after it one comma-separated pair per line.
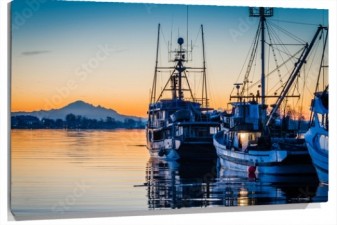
x,y
51,43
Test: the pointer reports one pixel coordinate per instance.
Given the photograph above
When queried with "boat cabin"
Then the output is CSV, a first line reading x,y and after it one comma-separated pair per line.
x,y
244,116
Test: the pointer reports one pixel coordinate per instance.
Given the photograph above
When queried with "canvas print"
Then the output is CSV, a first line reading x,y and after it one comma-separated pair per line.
x,y
119,108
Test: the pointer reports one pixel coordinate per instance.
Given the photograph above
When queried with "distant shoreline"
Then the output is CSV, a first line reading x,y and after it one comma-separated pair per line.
x,y
74,122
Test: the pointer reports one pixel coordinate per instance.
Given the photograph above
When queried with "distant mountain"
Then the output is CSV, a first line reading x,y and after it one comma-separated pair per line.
x,y
80,108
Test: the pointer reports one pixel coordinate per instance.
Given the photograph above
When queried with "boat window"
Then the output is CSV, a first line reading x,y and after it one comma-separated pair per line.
x,y
226,137
213,130
323,120
167,133
179,131
199,132
237,113
323,142
150,136
243,140
157,135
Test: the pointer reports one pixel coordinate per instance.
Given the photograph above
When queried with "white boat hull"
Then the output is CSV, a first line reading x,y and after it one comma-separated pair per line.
x,y
277,169
276,161
319,156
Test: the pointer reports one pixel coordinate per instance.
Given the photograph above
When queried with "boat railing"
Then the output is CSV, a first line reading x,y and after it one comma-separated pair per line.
x,y
156,123
173,104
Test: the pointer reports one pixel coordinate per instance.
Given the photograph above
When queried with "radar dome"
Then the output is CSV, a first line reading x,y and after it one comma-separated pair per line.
x,y
180,41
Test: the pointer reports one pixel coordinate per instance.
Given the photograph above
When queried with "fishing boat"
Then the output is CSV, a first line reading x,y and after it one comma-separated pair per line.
x,y
244,145
317,137
245,142
181,126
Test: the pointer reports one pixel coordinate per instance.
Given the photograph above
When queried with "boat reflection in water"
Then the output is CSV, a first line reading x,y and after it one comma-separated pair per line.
x,y
199,184
241,189
178,185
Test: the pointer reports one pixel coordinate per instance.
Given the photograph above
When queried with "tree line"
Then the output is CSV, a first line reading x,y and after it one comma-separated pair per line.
x,y
73,122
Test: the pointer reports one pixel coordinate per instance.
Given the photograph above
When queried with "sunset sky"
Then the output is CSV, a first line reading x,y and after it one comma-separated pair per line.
x,y
104,53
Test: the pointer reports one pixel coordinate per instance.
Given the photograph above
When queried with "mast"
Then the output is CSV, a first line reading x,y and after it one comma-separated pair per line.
x,y
154,85
180,67
263,78
204,96
321,64
295,72
262,13
187,31
178,73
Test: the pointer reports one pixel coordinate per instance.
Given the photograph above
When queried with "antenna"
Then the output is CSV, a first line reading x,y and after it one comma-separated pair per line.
x,y
187,32
204,96
154,85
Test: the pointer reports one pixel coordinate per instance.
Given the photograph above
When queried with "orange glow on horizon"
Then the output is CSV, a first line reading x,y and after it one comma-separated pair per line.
x,y
136,108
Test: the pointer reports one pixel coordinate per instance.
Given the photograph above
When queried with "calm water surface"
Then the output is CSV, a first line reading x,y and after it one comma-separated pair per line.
x,y
58,172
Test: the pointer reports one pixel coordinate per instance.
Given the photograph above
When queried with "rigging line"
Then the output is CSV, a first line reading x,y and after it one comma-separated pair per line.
x,y
166,43
308,89
198,84
296,86
243,65
287,33
325,38
254,73
189,87
286,51
275,85
275,59
303,87
295,104
313,56
195,85
249,51
196,39
281,51
283,44
284,76
251,60
211,87
276,36
267,75
305,78
292,88
254,69
292,22
267,80
162,92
